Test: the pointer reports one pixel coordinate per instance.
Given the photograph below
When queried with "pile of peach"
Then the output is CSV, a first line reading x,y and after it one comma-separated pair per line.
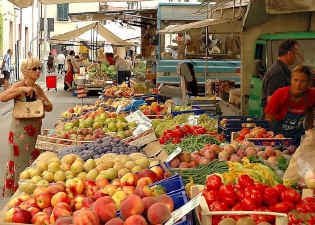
x,y
89,202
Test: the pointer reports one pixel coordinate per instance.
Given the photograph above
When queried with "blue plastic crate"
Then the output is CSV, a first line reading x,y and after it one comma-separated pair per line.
x,y
195,110
272,141
172,184
180,199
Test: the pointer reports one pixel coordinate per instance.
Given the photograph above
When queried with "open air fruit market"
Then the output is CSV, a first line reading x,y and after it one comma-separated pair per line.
x,y
157,112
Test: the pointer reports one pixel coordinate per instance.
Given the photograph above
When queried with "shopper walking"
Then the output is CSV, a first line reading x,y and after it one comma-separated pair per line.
x,y
69,76
23,132
50,63
123,69
73,69
60,60
6,68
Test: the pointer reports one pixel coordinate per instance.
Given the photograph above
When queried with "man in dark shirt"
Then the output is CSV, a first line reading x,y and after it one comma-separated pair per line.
x,y
279,74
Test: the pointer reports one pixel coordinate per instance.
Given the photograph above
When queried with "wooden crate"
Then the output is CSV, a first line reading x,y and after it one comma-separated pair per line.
x,y
204,215
142,139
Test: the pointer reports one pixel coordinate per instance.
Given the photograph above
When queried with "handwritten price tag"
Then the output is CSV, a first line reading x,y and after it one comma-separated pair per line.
x,y
174,154
185,209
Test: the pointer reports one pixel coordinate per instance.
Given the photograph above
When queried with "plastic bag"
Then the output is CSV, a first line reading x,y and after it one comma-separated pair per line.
x,y
302,162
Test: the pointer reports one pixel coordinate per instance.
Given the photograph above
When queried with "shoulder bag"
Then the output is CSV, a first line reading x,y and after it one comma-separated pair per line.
x,y
28,110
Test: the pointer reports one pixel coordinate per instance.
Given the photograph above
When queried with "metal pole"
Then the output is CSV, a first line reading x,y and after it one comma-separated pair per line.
x,y
31,43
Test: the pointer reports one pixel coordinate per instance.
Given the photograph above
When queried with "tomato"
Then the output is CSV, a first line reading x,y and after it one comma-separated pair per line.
x,y
271,196
213,182
281,207
261,187
245,181
255,194
237,207
218,206
216,219
240,194
175,140
291,195
280,188
229,201
162,140
244,131
268,218
248,204
226,190
210,196
301,208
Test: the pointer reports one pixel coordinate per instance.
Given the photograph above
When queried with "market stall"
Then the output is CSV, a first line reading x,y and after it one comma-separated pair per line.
x,y
95,151
95,76
254,27
135,159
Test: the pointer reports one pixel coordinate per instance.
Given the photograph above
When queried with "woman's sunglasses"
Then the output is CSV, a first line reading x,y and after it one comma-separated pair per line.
x,y
36,68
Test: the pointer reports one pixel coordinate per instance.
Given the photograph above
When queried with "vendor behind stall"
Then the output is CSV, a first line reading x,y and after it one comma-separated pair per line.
x,y
290,106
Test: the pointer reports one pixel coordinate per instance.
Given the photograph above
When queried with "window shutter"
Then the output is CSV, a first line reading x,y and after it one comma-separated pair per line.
x,y
59,12
65,11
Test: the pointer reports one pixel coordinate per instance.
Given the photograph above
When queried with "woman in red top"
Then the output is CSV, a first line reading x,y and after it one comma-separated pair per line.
x,y
290,106
69,75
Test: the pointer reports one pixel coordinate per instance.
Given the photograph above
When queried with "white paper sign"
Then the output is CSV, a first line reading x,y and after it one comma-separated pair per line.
x,y
185,209
119,108
174,154
138,117
193,120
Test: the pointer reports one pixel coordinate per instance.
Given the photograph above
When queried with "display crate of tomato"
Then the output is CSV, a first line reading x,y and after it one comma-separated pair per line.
x,y
260,136
254,202
176,135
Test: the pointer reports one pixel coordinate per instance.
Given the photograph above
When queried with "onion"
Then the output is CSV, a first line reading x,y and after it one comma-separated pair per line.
x,y
241,153
195,156
184,165
215,148
251,151
309,179
204,160
235,158
235,145
270,151
229,149
273,160
211,155
224,156
175,163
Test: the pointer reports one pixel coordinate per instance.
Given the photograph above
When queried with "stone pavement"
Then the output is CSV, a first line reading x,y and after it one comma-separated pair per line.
x,y
61,101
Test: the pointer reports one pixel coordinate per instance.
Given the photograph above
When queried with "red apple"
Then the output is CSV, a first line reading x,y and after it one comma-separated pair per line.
x,y
61,209
128,179
144,181
17,215
43,200
60,197
158,171
41,218
148,173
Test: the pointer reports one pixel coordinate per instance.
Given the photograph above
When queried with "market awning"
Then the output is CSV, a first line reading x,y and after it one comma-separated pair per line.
x,y
106,34
22,3
199,24
27,3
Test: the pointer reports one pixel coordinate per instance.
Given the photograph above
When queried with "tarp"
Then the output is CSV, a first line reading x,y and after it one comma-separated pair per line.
x,y
106,34
27,3
22,3
195,25
289,6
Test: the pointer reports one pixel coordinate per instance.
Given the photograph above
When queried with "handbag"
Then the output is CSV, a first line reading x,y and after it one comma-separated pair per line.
x,y
28,110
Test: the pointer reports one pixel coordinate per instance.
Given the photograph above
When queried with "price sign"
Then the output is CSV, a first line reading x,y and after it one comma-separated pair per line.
x,y
138,117
185,209
119,108
174,154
